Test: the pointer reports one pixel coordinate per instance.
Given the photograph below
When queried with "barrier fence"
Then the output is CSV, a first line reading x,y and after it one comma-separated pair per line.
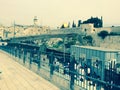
x,y
67,75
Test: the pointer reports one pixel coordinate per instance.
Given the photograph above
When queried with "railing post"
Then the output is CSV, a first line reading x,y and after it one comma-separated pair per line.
x,y
51,64
30,63
24,56
19,52
11,51
39,59
72,72
15,52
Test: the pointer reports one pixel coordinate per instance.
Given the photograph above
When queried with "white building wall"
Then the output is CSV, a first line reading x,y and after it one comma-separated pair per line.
x,y
115,29
88,28
103,29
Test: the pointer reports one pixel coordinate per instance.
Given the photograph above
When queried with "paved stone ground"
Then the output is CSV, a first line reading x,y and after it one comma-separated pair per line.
x,y
16,77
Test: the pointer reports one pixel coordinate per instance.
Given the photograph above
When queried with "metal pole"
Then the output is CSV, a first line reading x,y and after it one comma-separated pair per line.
x,y
72,70
30,59
24,56
51,64
64,48
39,58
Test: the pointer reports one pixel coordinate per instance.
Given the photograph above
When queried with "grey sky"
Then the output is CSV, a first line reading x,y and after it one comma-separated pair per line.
x,y
55,12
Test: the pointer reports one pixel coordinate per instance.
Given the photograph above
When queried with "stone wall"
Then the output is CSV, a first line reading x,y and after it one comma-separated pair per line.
x,y
112,42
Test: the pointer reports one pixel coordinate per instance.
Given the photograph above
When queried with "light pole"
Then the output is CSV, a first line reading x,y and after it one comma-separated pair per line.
x,y
64,48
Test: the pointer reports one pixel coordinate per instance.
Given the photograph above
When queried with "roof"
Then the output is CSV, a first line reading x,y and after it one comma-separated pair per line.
x,y
98,48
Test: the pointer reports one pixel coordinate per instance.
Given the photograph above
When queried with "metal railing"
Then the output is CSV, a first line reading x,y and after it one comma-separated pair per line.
x,y
65,75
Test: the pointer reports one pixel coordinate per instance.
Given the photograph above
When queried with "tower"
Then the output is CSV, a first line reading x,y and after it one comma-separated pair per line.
x,y
35,20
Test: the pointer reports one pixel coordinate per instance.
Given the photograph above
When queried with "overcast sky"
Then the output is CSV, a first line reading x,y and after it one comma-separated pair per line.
x,y
55,12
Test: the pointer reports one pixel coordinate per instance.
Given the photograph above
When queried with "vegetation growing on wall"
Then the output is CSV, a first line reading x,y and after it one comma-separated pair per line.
x,y
88,39
103,34
114,33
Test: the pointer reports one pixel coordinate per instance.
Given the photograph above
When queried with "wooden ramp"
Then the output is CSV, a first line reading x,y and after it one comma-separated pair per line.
x,y
16,77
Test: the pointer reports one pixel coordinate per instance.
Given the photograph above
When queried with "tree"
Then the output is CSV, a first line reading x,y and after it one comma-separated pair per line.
x,y
68,44
103,34
73,25
96,21
60,43
62,26
88,39
79,23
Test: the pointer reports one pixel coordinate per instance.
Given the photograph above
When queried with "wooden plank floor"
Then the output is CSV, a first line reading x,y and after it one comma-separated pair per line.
x,y
16,77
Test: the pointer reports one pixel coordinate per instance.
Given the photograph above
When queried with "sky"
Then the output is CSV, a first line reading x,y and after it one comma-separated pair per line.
x,y
53,13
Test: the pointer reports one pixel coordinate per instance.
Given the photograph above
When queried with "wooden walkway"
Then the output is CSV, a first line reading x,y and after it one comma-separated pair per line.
x,y
16,77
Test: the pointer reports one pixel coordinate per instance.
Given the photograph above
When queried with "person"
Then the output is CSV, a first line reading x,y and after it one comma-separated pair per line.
x,y
56,65
66,68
